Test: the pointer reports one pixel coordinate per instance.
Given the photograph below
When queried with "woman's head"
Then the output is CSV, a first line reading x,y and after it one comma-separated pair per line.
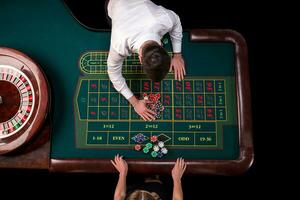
x,y
155,61
142,195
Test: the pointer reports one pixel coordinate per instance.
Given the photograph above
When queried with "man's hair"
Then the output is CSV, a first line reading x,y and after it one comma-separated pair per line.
x,y
155,61
142,194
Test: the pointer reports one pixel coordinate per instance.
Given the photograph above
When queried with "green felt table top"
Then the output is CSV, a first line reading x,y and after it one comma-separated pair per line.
x,y
46,31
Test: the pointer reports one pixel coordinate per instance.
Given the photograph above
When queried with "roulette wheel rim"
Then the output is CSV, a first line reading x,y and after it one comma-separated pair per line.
x,y
19,71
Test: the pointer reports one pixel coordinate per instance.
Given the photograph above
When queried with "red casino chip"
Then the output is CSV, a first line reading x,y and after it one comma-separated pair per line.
x,y
153,138
137,147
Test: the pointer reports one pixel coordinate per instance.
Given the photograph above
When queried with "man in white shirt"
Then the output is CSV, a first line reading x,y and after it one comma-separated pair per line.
x,y
137,27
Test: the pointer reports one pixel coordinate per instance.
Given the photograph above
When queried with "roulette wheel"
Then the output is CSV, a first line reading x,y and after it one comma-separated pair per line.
x,y
24,99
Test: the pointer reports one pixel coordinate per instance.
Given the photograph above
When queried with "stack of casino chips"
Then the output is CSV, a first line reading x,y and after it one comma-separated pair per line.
x,y
155,105
139,138
156,148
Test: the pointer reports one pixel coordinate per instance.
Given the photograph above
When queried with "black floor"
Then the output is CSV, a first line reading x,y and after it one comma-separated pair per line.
x,y
103,185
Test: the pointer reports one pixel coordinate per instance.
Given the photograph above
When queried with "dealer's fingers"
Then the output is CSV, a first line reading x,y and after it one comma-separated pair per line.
x,y
175,74
184,70
171,67
146,117
151,112
148,101
150,115
143,117
182,74
179,74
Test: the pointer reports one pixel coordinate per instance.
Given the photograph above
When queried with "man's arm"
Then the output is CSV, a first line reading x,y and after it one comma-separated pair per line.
x,y
177,62
175,32
114,70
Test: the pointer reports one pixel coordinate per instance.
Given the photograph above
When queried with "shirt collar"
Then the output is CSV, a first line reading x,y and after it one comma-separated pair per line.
x,y
145,37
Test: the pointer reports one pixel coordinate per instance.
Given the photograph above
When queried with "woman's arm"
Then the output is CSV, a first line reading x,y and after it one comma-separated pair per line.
x,y
177,173
122,167
120,192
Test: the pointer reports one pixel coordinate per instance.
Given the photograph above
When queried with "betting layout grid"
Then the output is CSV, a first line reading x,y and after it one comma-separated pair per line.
x,y
184,103
197,99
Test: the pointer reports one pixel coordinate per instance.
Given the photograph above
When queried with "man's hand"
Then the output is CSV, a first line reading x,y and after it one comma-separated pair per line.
x,y
120,165
141,109
177,64
178,169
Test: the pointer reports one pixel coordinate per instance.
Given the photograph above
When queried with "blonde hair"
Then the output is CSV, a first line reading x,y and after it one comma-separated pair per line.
x,y
143,195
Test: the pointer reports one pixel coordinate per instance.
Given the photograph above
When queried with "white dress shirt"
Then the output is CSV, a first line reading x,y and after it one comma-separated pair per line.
x,y
133,23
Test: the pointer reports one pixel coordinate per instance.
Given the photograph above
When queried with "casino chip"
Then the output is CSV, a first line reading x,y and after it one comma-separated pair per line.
x,y
153,138
155,105
160,154
154,154
164,150
149,145
138,147
139,138
161,144
146,150
156,148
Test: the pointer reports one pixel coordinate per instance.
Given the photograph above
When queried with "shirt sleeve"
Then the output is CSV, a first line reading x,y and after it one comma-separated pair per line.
x,y
175,32
114,70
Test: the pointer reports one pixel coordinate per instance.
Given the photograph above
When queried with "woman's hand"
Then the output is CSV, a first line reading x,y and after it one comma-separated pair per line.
x,y
177,64
120,164
178,169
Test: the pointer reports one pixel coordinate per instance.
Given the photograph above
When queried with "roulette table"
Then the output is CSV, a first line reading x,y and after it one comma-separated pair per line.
x,y
59,110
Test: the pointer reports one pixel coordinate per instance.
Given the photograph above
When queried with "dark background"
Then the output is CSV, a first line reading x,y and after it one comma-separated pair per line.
x,y
260,25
